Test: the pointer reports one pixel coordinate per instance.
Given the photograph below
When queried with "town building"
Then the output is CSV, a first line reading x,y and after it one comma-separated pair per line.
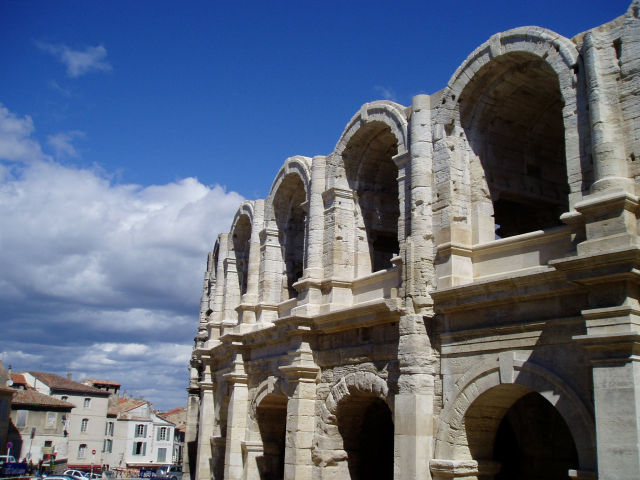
x,y
141,437
6,394
177,416
38,429
453,292
85,424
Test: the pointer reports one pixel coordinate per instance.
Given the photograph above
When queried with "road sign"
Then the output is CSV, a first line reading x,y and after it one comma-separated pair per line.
x,y
93,452
9,445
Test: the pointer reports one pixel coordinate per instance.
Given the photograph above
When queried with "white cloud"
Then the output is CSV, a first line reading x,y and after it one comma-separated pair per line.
x,y
386,93
78,62
62,143
58,88
15,142
100,277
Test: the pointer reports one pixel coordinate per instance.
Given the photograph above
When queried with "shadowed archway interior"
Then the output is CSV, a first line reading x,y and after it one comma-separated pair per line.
x,y
366,426
511,112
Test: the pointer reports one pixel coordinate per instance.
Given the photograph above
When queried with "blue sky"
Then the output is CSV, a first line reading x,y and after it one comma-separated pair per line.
x,y
130,132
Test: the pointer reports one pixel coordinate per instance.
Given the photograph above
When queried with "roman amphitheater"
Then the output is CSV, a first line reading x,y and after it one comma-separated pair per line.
x,y
452,293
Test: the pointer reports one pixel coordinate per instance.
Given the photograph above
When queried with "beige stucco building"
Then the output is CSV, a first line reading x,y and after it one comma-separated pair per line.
x,y
451,293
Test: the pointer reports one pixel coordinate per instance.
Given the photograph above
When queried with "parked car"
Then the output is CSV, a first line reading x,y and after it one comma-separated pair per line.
x,y
59,477
169,472
7,459
76,474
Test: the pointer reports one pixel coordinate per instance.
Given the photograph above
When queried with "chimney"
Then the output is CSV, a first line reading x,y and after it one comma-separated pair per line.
x,y
68,375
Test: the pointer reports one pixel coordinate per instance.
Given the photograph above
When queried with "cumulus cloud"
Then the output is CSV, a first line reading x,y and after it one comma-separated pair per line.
x,y
78,62
99,277
15,142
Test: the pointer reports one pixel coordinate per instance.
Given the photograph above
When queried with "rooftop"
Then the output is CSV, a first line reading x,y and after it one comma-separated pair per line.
x,y
33,398
56,382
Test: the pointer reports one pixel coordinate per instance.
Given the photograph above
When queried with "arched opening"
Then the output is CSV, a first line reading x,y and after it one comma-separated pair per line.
x,y
288,208
366,426
511,112
373,176
271,416
523,432
241,237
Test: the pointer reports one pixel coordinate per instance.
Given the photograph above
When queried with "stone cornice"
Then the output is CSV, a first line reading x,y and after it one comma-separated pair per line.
x,y
612,348
597,268
541,283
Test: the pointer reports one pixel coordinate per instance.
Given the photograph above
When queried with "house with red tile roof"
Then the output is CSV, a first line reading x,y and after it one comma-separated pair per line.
x,y
142,437
86,423
38,424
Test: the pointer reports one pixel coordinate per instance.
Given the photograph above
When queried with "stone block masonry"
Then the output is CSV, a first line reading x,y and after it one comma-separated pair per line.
x,y
453,292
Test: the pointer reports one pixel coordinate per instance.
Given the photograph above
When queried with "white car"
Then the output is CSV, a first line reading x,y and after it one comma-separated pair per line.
x,y
7,459
77,474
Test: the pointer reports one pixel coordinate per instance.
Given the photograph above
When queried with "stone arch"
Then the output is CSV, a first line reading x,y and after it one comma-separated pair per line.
x,y
272,385
285,222
515,59
240,234
522,377
363,382
366,162
557,51
355,435
267,429
391,114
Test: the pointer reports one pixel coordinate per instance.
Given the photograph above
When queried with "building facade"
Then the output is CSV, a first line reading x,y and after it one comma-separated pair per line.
x,y
38,426
85,425
6,394
453,292
141,438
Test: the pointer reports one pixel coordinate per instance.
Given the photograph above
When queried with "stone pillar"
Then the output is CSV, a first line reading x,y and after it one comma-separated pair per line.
x,y
609,212
309,286
616,392
340,234
207,412
607,144
413,411
190,454
271,270
208,286
302,373
236,417
247,309
251,451
420,272
315,235
231,293
215,319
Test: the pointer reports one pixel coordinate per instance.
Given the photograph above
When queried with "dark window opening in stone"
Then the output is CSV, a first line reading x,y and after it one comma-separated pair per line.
x,y
366,427
511,112
533,442
241,237
290,220
272,419
373,175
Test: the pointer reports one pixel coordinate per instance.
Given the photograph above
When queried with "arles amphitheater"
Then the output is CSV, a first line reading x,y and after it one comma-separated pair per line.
x,y
452,293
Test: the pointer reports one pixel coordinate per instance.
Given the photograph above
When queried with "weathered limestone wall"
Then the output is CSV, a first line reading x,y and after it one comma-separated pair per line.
x,y
451,286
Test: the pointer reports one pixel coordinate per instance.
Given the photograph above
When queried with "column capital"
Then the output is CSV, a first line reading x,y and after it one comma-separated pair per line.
x,y
300,373
207,385
235,377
